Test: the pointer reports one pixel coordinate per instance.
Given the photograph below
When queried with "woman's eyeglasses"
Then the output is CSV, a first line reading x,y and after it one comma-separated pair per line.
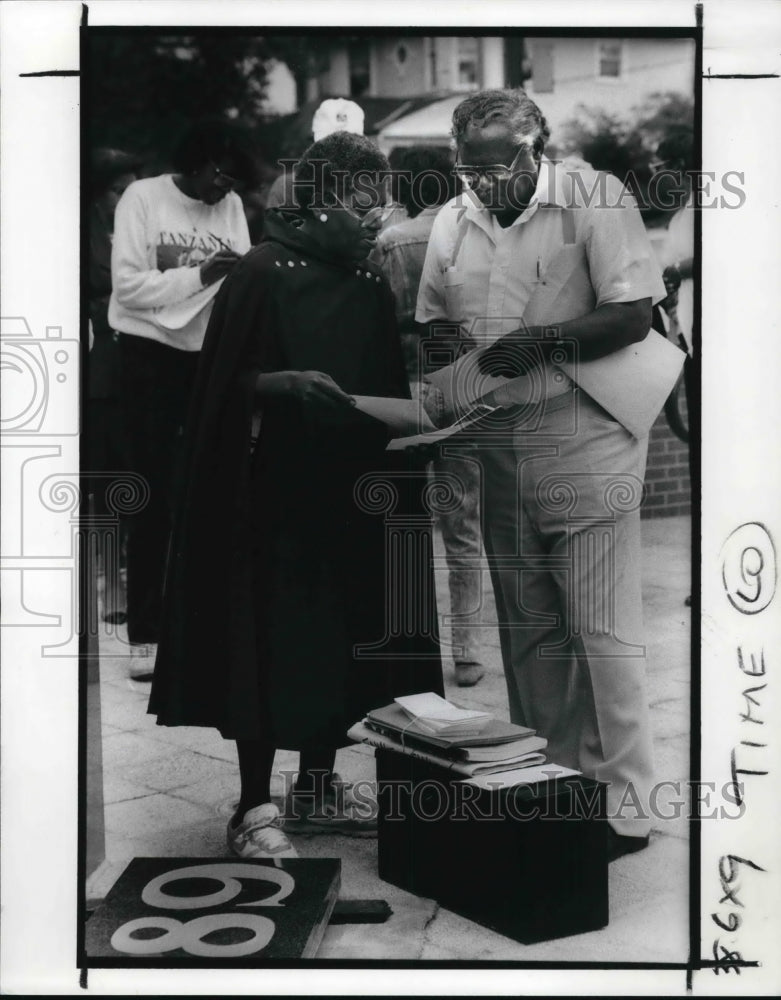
x,y
470,176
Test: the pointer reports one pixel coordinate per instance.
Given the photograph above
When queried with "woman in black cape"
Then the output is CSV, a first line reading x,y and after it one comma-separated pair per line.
x,y
279,560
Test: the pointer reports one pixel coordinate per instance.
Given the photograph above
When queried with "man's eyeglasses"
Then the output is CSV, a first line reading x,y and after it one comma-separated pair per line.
x,y
220,175
470,176
367,216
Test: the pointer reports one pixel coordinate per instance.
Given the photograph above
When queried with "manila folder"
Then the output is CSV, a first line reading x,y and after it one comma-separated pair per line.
x,y
632,383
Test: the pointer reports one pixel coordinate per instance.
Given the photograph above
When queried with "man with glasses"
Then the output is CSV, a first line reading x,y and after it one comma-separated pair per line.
x,y
539,265
176,236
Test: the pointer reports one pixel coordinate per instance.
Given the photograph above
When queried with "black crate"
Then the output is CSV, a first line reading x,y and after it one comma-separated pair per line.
x,y
529,862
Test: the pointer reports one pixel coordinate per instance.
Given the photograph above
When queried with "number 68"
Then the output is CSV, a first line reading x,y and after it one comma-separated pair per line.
x,y
188,935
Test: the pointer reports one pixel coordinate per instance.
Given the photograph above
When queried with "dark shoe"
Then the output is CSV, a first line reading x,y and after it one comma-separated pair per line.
x,y
339,812
688,601
618,845
468,674
116,618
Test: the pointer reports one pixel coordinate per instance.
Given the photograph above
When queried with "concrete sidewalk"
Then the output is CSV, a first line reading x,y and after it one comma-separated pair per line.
x,y
169,792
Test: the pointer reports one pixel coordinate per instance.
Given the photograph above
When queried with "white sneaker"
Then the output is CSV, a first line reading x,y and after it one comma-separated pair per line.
x,y
260,835
142,661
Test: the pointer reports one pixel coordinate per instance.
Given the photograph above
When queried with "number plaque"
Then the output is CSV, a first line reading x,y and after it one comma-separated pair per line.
x,y
164,910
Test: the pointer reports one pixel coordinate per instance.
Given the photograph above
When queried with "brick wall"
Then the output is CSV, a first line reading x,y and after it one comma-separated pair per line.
x,y
668,488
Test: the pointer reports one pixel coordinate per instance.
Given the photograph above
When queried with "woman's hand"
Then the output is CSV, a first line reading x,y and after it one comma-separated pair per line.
x,y
316,389
309,388
217,266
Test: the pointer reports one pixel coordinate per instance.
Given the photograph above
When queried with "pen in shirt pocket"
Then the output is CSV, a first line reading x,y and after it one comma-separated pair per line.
x,y
539,271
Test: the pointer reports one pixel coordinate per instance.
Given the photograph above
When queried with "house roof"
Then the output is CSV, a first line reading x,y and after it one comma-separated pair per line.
x,y
426,124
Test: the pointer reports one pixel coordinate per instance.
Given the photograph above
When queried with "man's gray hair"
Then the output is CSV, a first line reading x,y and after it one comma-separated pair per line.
x,y
513,108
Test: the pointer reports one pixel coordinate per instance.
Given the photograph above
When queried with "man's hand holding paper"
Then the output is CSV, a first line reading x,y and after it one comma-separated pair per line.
x,y
516,353
465,382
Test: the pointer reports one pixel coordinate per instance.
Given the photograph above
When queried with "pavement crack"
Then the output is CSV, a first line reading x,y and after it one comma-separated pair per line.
x,y
426,927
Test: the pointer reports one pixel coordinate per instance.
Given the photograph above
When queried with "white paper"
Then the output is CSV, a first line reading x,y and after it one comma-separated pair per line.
x,y
521,776
432,706
479,411
462,383
403,416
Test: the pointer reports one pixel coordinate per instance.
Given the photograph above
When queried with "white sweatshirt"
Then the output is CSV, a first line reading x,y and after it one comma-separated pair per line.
x,y
160,238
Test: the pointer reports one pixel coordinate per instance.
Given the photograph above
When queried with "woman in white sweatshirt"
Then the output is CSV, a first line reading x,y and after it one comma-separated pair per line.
x,y
176,237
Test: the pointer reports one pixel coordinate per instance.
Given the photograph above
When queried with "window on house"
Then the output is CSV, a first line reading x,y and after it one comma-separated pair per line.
x,y
360,71
467,64
609,59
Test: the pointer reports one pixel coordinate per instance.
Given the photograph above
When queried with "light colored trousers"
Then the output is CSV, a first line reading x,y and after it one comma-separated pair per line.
x,y
561,529
460,526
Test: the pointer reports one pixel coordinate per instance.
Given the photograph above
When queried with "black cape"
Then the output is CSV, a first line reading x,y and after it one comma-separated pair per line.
x,y
299,590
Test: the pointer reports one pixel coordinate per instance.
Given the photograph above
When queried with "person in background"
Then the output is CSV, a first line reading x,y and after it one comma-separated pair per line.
x,y
278,568
523,253
335,114
111,172
427,183
176,237
675,154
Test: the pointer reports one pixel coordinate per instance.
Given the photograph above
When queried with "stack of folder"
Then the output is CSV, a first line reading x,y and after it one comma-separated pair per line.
x,y
468,743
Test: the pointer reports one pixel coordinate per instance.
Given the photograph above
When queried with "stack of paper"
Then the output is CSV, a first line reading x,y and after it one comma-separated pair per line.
x,y
395,721
499,746
361,732
434,714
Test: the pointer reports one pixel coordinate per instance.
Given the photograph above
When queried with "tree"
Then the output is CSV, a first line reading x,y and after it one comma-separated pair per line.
x,y
662,115
142,87
626,146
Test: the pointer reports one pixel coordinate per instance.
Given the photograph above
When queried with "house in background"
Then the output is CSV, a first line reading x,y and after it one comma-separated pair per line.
x,y
410,66
560,73
392,76
614,74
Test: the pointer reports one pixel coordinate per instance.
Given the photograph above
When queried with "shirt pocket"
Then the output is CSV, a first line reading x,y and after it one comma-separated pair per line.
x,y
565,291
453,284
568,262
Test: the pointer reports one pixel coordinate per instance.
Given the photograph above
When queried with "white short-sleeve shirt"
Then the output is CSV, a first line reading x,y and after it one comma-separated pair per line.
x,y
487,286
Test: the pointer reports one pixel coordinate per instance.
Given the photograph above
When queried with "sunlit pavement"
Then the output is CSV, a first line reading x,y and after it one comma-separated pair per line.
x,y
168,792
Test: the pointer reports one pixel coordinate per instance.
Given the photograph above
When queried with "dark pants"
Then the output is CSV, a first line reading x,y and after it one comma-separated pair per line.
x,y
156,385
